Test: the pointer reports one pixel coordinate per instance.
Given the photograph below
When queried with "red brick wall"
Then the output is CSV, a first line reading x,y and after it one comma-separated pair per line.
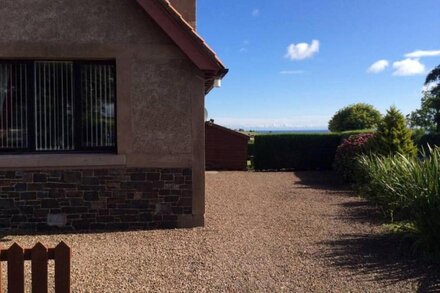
x,y
99,199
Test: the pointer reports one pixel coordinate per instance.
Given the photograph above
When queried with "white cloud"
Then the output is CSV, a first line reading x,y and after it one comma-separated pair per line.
x,y
298,122
378,66
245,46
408,67
302,51
256,12
291,72
423,53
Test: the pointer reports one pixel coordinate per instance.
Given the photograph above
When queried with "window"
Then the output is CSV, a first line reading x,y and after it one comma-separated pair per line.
x,y
57,106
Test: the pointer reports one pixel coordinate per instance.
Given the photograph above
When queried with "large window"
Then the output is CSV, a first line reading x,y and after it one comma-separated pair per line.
x,y
57,106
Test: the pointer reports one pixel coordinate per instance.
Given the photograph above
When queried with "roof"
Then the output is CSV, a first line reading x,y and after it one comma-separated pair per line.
x,y
186,38
227,130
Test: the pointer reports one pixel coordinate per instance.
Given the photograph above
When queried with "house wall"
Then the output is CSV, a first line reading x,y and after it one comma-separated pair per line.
x,y
160,94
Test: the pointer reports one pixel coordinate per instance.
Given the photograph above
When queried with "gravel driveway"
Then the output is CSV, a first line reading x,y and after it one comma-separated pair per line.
x,y
270,232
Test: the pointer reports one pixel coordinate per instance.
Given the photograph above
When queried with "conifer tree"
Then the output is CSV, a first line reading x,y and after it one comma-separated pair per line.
x,y
393,136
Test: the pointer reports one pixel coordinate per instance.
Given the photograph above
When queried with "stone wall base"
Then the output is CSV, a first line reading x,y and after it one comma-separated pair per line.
x,y
96,200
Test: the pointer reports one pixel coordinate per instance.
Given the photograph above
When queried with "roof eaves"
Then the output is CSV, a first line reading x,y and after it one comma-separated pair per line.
x,y
186,38
225,129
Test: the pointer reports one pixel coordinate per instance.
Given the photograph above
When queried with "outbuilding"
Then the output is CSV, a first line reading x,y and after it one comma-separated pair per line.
x,y
226,149
102,114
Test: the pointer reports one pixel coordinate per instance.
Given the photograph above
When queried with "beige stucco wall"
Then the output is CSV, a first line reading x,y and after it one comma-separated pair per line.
x,y
160,94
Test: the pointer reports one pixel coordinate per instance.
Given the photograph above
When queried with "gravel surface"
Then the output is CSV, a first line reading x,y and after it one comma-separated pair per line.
x,y
264,232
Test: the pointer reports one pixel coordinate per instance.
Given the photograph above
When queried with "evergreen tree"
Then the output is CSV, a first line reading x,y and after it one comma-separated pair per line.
x,y
393,136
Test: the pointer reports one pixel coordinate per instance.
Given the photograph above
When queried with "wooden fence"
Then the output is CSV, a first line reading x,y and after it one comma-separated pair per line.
x,y
39,257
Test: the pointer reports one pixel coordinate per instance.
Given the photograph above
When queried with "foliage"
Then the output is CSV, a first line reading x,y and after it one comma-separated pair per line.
x,y
417,135
355,117
429,140
408,190
424,117
380,184
295,151
428,116
393,136
347,134
345,160
433,79
298,151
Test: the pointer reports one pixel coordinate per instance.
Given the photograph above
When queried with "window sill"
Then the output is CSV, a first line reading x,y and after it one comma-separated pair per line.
x,y
61,160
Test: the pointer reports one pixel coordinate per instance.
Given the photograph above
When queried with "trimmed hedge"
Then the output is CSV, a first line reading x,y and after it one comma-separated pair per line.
x,y
298,151
295,151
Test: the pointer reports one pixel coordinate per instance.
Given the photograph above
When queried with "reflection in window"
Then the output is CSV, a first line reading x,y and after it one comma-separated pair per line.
x,y
98,105
57,106
54,98
13,106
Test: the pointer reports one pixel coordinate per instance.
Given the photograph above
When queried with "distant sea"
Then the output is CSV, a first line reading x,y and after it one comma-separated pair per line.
x,y
290,131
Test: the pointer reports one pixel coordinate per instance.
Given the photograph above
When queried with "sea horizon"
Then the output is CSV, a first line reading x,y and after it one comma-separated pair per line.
x,y
286,130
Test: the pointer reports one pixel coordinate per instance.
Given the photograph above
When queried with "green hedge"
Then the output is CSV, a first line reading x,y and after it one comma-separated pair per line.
x,y
432,139
251,149
295,151
311,151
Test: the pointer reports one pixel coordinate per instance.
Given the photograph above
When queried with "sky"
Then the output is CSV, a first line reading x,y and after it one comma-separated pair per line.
x,y
294,63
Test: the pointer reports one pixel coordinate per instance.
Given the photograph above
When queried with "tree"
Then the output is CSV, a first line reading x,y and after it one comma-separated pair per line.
x,y
393,136
433,83
428,116
424,118
355,117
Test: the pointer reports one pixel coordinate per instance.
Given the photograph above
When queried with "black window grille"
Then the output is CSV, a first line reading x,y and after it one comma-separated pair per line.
x,y
57,106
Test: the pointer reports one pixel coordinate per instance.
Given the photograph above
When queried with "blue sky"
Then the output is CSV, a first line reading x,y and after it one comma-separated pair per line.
x,y
267,88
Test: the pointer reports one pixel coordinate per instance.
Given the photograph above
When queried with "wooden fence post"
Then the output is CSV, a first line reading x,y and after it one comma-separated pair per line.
x,y
1,289
16,269
62,268
39,255
39,260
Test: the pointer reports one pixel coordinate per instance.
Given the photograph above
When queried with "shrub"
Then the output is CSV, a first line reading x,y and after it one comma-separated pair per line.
x,y
345,160
295,151
431,139
407,189
393,136
355,117
347,134
382,175
417,135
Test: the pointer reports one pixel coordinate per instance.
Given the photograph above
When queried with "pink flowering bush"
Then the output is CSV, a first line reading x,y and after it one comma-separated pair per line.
x,y
345,160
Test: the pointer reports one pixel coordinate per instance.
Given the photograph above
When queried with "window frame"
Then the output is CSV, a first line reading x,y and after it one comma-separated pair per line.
x,y
77,109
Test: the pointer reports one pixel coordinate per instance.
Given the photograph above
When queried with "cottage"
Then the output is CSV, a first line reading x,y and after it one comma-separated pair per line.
x,y
101,114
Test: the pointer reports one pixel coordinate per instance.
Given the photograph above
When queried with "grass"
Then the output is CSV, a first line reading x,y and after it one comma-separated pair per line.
x,y
408,191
